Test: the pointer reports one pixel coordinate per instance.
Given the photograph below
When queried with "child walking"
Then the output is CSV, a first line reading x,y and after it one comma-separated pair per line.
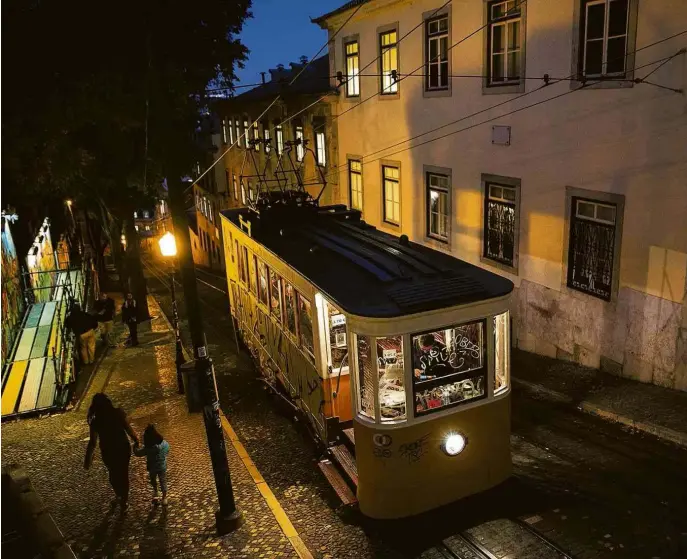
x,y
155,449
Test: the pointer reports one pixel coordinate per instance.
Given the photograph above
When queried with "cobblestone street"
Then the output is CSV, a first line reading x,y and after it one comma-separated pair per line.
x,y
142,381
593,488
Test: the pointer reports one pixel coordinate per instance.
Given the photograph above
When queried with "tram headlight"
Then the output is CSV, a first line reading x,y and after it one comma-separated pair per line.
x,y
454,444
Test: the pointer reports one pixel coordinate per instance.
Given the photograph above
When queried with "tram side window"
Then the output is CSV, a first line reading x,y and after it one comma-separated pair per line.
x,y
366,371
290,307
252,271
275,295
243,262
502,352
449,366
262,282
392,394
305,326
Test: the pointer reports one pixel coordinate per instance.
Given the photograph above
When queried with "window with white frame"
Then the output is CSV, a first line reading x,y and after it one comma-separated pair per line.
x,y
603,37
591,252
388,54
256,136
236,189
231,131
224,130
436,53
279,137
355,184
238,133
392,194
352,69
300,148
243,193
266,136
438,209
504,42
246,127
320,147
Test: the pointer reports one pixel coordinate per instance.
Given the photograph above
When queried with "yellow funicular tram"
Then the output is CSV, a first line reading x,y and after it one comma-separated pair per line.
x,y
397,354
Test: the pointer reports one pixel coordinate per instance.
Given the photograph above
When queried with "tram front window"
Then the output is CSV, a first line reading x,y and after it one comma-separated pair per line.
x,y
366,373
392,395
305,327
449,366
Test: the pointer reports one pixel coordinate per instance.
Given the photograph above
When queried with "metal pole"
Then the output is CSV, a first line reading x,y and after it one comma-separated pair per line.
x,y
228,517
177,336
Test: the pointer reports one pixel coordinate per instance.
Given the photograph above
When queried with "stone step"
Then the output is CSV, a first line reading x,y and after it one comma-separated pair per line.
x,y
337,482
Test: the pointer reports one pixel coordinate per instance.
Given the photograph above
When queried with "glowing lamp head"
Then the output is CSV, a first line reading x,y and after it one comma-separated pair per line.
x,y
69,203
454,444
168,245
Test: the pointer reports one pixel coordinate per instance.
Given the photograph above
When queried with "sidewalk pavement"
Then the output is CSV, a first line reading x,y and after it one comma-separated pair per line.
x,y
662,412
142,381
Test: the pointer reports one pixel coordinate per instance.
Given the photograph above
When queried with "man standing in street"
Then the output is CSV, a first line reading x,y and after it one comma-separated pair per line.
x,y
130,318
83,325
104,308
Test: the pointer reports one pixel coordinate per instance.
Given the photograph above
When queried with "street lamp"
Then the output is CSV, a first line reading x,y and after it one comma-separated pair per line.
x,y
168,248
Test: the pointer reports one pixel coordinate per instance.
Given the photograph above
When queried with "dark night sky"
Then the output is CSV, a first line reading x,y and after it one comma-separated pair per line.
x,y
281,31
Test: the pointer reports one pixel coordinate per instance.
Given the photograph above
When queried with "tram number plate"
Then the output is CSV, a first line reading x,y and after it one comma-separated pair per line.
x,y
389,354
338,320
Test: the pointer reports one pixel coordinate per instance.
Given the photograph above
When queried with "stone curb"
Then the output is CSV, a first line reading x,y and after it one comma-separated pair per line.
x,y
664,433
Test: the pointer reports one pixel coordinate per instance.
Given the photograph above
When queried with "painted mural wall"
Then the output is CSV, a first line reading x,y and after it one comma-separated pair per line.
x,y
13,304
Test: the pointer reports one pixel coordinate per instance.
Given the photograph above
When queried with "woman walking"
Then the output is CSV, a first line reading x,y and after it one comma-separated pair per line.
x,y
111,426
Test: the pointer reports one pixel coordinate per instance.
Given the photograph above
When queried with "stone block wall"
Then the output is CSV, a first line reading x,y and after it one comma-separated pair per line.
x,y
638,336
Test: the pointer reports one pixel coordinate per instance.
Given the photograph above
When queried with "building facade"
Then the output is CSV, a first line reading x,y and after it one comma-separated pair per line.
x,y
265,154
520,137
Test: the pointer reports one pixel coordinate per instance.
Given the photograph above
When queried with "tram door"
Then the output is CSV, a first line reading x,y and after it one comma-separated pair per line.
x,y
334,341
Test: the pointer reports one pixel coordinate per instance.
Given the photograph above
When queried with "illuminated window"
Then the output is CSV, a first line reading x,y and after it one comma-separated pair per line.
x,y
300,148
256,136
436,53
262,282
231,131
279,134
253,274
290,307
355,184
388,53
244,133
275,295
320,148
392,394
501,352
305,333
449,367
352,69
224,130
266,135
438,208
392,195
504,42
236,188
238,133
366,374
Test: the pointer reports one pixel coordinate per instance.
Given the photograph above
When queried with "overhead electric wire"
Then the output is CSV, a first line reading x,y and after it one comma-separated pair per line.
x,y
400,79
245,132
510,100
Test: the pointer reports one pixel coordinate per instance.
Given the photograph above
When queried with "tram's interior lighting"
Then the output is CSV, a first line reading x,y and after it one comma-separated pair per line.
x,y
454,444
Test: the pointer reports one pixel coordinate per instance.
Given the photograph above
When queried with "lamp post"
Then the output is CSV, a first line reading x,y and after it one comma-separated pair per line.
x,y
168,248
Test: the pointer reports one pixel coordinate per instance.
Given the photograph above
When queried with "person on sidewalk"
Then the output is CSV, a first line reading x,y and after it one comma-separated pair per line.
x,y
105,308
83,325
111,426
155,449
130,318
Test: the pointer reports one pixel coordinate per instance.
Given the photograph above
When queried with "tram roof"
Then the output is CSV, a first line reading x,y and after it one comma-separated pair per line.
x,y
363,270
